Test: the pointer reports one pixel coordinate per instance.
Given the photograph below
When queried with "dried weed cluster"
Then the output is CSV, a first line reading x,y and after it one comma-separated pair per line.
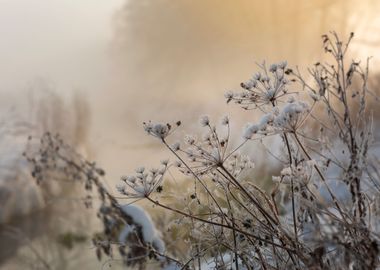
x,y
322,211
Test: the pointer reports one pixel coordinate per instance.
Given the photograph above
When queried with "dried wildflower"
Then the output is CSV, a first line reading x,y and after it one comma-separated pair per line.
x,y
205,121
159,130
273,68
250,130
177,164
323,210
263,127
229,96
54,157
143,183
282,64
292,116
140,169
176,146
210,152
165,162
263,88
225,121
190,139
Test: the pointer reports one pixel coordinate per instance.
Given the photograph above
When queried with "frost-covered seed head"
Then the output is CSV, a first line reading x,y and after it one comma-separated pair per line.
x,y
165,162
190,140
162,171
314,96
154,171
250,130
291,115
148,127
205,121
140,170
229,95
291,99
177,164
283,64
120,188
257,76
131,179
273,68
225,120
160,130
175,146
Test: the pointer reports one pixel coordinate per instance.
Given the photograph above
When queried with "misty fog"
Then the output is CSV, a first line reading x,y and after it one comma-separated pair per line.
x,y
134,58
125,62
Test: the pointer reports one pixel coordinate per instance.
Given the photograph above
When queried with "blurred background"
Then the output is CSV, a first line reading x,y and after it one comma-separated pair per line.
x,y
95,70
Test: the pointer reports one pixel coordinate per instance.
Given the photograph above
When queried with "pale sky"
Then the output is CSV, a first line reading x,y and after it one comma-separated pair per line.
x,y
54,39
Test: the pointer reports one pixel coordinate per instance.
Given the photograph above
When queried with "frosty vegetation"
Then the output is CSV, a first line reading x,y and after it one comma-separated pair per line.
x,y
320,212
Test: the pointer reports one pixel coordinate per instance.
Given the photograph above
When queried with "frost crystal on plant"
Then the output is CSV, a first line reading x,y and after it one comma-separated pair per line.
x,y
320,211
264,89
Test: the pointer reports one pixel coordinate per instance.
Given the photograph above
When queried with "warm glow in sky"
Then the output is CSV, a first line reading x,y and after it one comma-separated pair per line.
x,y
136,59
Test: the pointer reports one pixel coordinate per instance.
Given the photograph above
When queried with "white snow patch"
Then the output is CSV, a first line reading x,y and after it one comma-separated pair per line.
x,y
149,232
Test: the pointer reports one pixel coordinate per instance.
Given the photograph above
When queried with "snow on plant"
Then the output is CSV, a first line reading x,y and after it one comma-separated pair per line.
x,y
148,230
265,87
311,228
143,183
322,211
128,227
